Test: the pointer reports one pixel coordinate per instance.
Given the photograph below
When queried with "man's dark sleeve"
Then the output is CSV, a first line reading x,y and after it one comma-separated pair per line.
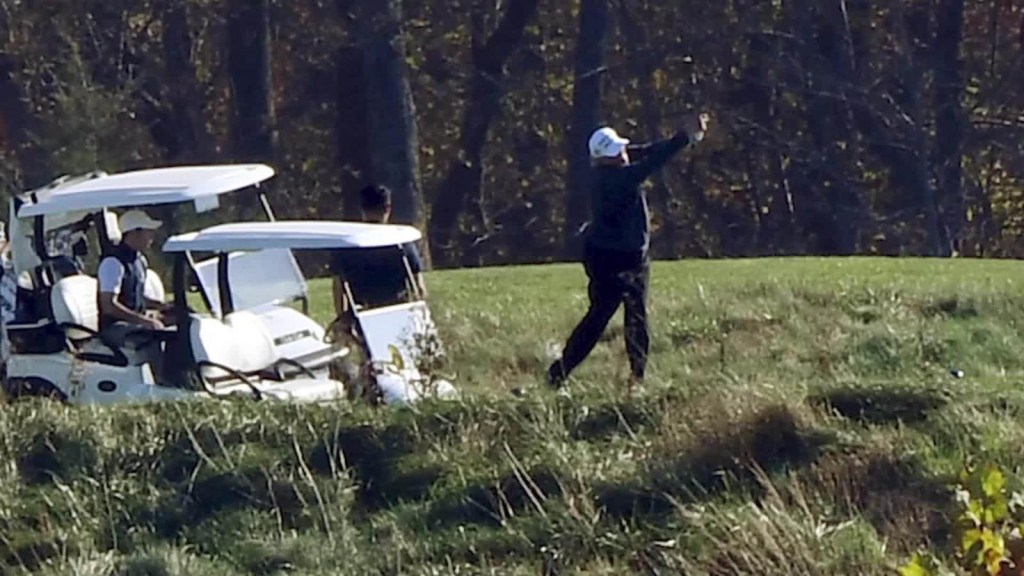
x,y
654,156
413,254
638,152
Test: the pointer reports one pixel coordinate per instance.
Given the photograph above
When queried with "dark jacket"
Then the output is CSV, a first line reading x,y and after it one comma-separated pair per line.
x,y
377,276
620,218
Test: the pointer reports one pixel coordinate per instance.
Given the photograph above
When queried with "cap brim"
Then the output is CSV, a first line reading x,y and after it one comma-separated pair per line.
x,y
151,225
615,149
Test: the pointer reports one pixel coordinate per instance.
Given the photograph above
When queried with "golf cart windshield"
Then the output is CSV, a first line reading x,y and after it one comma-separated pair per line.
x,y
261,278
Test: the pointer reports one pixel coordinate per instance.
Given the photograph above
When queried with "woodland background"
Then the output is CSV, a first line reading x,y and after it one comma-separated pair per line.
x,y
841,126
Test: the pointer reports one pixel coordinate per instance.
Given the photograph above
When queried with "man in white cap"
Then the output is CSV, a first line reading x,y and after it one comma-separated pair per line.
x,y
122,280
616,245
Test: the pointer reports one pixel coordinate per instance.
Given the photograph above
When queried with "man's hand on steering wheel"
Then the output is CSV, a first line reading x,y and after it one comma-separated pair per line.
x,y
152,323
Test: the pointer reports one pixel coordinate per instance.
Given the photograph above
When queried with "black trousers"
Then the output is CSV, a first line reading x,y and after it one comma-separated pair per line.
x,y
615,278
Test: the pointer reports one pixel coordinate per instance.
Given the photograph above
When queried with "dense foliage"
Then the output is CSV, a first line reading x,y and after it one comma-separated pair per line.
x,y
843,126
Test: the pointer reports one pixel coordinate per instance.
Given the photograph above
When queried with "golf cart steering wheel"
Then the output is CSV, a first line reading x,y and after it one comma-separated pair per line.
x,y
296,364
257,394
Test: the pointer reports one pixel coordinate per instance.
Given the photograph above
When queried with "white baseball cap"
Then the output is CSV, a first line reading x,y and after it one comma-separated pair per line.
x,y
606,142
137,220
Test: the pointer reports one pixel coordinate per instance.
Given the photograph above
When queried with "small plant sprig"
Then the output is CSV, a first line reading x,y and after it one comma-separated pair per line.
x,y
987,533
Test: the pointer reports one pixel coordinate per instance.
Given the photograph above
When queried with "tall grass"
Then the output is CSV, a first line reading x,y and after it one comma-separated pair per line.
x,y
801,418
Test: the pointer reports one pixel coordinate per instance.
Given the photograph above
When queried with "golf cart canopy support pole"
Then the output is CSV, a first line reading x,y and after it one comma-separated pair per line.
x,y
227,305
266,204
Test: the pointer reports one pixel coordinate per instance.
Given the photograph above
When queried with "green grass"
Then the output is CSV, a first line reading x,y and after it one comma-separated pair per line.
x,y
800,418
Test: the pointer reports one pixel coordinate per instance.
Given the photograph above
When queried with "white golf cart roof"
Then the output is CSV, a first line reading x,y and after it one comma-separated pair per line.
x,y
146,187
293,234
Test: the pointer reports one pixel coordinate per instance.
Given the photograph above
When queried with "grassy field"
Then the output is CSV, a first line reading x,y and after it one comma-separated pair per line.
x,y
801,418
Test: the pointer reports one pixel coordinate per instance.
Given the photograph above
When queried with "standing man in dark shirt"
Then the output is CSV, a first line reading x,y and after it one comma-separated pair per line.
x,y
615,255
377,274
376,277
376,206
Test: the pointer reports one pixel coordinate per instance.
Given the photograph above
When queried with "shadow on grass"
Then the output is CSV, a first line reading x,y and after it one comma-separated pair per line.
x,y
951,308
375,457
246,488
880,405
896,494
606,420
510,495
261,558
143,566
52,455
30,532
30,549
771,439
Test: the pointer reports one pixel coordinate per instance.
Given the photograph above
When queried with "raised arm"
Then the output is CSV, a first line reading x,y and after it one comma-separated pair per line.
x,y
654,155
641,151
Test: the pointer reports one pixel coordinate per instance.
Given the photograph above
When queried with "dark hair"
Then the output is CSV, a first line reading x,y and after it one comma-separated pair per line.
x,y
375,197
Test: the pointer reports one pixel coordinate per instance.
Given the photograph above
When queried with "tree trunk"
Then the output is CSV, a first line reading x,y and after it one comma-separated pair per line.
x,y
391,112
192,135
909,99
352,132
830,70
984,221
586,110
179,125
900,140
638,41
949,116
780,224
106,43
22,129
171,103
463,179
253,122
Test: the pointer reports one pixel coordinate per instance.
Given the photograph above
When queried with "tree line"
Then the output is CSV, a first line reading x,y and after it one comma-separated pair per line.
x,y
840,126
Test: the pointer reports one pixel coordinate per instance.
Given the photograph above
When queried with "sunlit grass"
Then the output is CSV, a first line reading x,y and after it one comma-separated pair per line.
x,y
800,418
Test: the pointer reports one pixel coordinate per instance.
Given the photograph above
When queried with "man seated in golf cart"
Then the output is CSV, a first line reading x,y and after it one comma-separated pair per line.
x,y
123,305
377,277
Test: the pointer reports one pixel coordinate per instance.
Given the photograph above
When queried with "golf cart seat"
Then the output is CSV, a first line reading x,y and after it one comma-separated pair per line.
x,y
385,327
409,331
75,310
76,313
239,348
154,287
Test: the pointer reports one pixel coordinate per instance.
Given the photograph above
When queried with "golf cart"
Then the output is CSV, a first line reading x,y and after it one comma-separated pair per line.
x,y
393,340
51,324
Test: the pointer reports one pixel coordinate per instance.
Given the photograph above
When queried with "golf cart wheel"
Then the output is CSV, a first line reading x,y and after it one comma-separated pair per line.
x,y
33,387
